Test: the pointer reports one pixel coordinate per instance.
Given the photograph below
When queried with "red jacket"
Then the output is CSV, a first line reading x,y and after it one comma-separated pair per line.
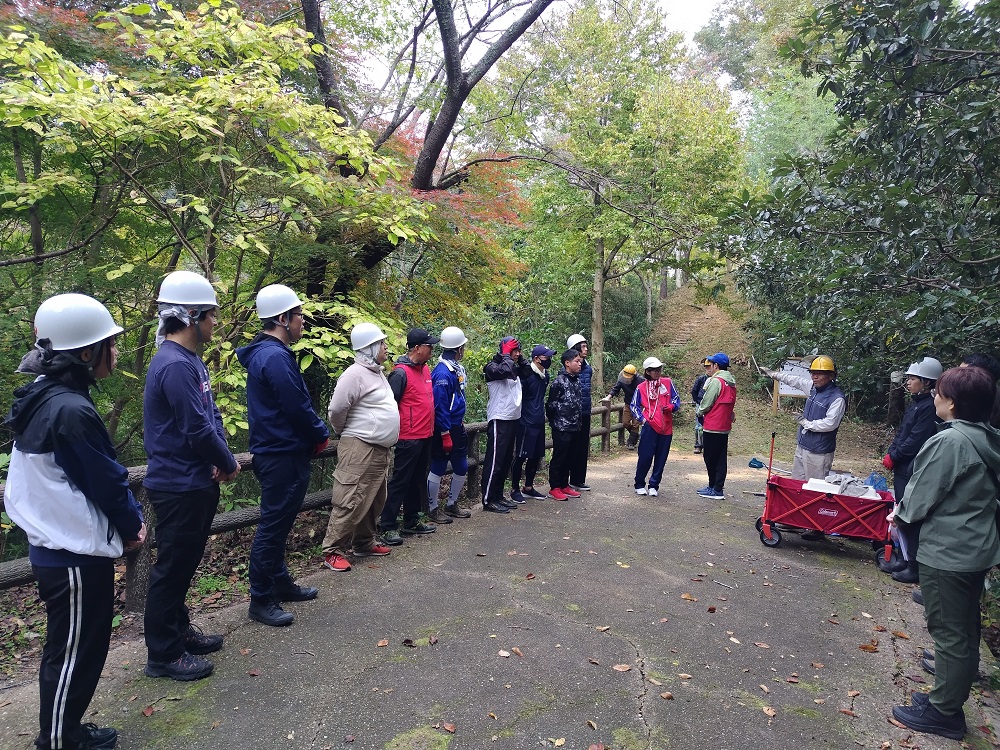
x,y
651,396
416,402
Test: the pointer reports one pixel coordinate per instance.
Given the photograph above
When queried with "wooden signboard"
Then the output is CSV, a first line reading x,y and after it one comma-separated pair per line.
x,y
795,366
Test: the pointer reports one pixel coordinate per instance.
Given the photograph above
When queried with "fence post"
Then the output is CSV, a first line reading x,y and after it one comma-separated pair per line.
x,y
472,480
606,427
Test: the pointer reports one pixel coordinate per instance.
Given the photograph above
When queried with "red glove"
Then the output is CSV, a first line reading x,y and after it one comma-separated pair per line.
x,y
509,346
887,462
320,447
446,442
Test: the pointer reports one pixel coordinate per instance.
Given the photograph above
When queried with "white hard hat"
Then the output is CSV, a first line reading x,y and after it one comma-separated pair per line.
x,y
364,334
453,337
928,368
276,299
187,288
575,339
651,362
73,321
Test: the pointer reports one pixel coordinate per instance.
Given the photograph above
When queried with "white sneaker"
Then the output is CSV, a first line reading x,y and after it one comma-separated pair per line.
x,y
640,490
653,492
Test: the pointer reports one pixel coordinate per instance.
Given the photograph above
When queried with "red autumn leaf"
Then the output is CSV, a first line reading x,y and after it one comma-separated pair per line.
x,y
148,711
847,712
449,727
254,672
711,609
530,576
349,738
432,640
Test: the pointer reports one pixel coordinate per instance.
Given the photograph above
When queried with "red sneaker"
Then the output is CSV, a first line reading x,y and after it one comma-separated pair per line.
x,y
570,492
337,563
376,550
557,494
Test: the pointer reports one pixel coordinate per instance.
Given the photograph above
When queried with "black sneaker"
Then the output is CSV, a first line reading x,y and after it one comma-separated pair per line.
x,y
198,643
97,738
185,668
506,503
925,718
392,537
294,593
583,487
418,528
533,493
455,511
495,508
928,665
517,497
439,516
268,611
918,596
921,699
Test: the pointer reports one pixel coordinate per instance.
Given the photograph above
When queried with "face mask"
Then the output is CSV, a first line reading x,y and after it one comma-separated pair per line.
x,y
545,363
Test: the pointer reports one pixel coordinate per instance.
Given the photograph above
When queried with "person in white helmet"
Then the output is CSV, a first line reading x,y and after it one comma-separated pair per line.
x,y
364,414
580,450
67,491
919,424
188,459
284,433
654,403
449,444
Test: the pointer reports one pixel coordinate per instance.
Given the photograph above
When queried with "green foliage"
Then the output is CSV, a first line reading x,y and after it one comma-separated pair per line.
x,y
883,249
210,584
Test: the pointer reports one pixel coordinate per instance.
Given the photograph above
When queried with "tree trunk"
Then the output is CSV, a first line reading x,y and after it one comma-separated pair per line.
x,y
664,283
597,319
324,70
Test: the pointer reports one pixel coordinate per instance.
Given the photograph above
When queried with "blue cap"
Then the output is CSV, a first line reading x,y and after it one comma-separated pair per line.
x,y
541,350
720,359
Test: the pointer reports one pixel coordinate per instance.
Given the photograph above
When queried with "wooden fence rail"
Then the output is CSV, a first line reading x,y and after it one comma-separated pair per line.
x,y
138,564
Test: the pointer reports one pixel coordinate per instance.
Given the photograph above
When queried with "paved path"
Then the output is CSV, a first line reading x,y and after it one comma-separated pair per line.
x,y
602,605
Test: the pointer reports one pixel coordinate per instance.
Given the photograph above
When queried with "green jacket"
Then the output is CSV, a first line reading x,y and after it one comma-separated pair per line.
x,y
955,497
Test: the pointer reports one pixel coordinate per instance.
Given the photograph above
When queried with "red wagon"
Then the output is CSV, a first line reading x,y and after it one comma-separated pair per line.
x,y
788,503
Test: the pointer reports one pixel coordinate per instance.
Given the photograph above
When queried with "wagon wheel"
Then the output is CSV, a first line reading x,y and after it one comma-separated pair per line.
x,y
775,539
759,524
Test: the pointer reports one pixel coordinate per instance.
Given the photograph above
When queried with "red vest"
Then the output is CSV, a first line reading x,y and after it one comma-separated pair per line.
x,y
416,408
653,396
720,417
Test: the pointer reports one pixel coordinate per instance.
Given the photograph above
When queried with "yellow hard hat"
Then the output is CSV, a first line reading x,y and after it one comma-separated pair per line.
x,y
822,363
629,369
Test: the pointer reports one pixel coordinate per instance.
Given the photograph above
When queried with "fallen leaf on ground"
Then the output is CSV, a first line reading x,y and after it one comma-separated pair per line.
x,y
880,628
819,701
687,597
559,742
621,667
512,553
684,676
734,640
245,651
793,680
833,622
349,738
761,645
711,609
432,640
592,660
592,724
871,647
480,554
516,651
408,642
765,688
449,727
847,712
503,653
916,678
853,693
530,576
383,643
603,628
899,724
816,665
596,747
254,673
148,711
901,634
667,696
769,711
865,614
491,715
654,681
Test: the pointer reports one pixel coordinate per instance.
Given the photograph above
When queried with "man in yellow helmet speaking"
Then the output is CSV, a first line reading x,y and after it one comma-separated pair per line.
x,y
821,416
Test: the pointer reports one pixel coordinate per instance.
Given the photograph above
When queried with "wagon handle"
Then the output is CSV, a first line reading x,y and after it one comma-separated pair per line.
x,y
770,459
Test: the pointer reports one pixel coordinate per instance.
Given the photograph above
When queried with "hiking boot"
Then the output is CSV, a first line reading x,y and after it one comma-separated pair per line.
x,y
557,494
653,492
420,528
927,654
918,596
97,738
336,563
392,538
185,668
268,611
908,574
455,511
376,550
582,487
517,497
697,451
568,491
495,508
925,718
532,492
640,491
292,592
199,644
439,516
928,665
921,699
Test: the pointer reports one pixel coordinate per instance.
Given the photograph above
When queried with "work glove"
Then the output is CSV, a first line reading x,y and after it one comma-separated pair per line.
x,y
509,346
887,462
320,447
769,373
446,442
668,408
606,399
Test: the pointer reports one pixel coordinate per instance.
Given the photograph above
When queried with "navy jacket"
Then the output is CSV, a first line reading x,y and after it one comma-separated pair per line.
x,y
532,395
183,434
586,376
280,411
